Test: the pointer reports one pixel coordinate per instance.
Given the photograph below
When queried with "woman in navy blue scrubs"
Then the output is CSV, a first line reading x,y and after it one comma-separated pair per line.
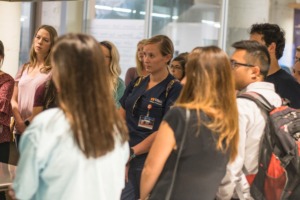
x,y
143,105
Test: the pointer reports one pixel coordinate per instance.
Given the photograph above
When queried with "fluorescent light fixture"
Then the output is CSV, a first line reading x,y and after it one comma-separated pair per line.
x,y
23,18
212,23
159,15
103,7
133,11
122,10
125,10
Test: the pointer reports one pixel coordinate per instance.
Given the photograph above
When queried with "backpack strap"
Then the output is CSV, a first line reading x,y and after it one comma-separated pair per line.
x,y
259,99
265,154
137,81
169,86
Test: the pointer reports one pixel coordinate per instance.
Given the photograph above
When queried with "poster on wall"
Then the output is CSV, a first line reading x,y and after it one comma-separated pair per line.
x,y
125,34
296,29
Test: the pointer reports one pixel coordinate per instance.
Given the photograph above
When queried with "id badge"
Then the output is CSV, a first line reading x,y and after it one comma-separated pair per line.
x,y
146,122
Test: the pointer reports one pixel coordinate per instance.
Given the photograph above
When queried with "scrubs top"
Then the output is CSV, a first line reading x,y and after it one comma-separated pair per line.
x,y
136,101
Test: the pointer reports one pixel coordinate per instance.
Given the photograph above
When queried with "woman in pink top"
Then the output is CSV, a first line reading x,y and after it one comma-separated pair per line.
x,y
31,76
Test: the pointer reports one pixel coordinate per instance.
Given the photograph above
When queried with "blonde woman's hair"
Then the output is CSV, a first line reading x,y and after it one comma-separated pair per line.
x,y
139,64
114,68
82,79
32,56
210,88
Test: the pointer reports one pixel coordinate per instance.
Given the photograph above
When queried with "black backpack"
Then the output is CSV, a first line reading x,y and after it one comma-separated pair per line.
x,y
278,176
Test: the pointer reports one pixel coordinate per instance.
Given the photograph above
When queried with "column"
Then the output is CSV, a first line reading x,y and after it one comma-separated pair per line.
x,y
10,23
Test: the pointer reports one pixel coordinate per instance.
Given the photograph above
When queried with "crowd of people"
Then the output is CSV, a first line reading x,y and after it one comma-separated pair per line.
x,y
174,129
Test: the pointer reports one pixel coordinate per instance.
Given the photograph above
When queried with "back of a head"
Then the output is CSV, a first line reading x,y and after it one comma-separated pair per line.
x,y
210,87
256,54
82,79
207,68
165,45
271,33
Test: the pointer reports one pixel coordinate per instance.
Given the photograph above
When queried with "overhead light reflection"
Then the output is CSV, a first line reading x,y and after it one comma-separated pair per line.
x,y
212,23
126,10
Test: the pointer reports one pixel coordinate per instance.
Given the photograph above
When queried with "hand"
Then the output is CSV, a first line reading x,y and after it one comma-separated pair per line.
x,y
11,193
20,126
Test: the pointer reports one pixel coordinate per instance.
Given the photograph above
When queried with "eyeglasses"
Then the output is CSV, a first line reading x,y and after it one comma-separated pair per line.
x,y
235,64
176,67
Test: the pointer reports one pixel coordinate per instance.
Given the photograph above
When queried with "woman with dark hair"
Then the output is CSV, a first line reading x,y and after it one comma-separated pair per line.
x,y
211,133
31,76
178,66
79,150
6,91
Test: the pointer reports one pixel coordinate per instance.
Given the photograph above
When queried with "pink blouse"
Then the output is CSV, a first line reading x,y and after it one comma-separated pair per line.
x,y
26,90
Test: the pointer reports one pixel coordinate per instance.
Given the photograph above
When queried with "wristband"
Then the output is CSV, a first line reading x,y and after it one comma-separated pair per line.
x,y
132,154
26,122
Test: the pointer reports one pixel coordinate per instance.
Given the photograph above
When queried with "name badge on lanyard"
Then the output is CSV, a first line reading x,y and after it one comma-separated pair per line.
x,y
146,121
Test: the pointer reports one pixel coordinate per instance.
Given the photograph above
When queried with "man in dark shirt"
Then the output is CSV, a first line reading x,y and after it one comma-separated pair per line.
x,y
272,36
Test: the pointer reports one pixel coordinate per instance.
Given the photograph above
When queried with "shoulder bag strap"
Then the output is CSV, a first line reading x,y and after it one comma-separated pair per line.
x,y
169,193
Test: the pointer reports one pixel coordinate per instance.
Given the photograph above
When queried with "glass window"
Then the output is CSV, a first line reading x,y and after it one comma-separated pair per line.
x,y
64,16
26,32
121,22
242,14
188,23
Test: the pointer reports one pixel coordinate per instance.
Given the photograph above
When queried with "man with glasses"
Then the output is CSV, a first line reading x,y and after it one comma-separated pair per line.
x,y
296,68
272,36
250,65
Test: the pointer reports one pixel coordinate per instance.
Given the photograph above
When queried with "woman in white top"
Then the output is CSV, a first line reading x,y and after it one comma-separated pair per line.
x,y
79,150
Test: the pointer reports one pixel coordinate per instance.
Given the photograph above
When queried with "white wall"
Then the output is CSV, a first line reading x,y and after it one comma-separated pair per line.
x,y
10,14
241,15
